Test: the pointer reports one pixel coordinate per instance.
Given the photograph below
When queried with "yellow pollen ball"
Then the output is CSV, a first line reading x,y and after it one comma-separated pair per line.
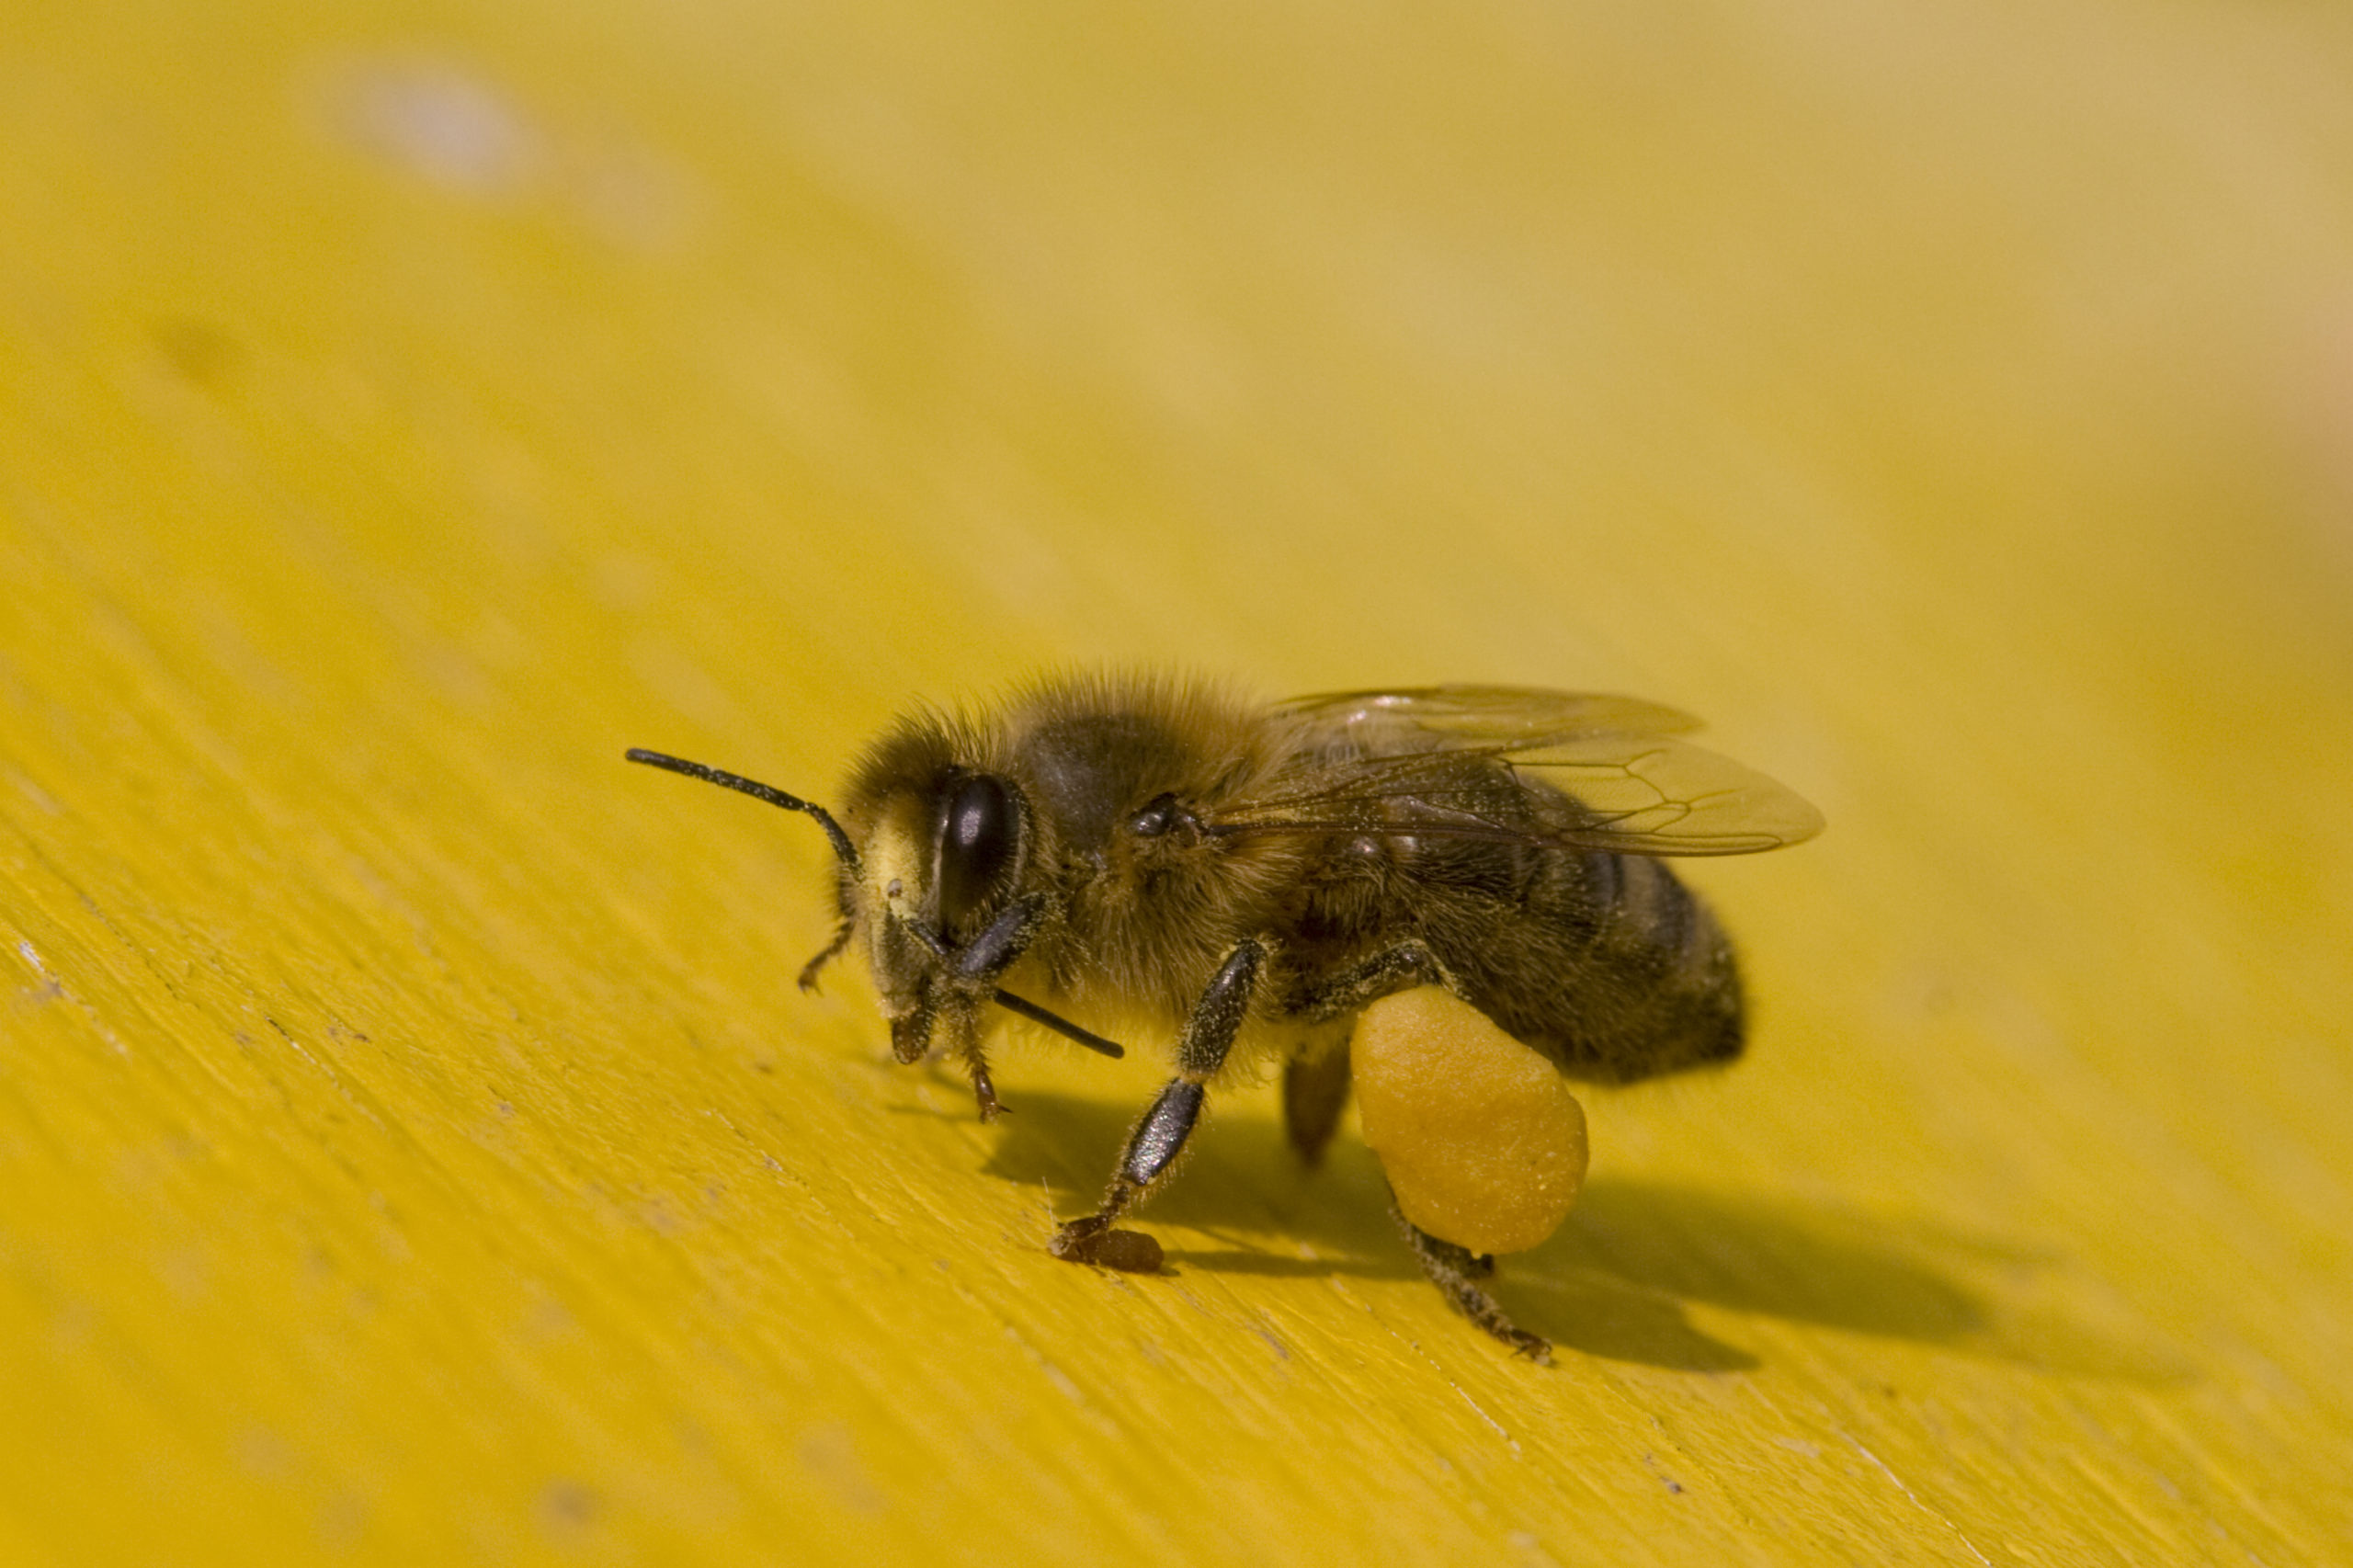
x,y
1483,1145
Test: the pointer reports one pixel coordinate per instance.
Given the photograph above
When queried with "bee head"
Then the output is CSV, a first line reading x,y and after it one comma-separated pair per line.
x,y
929,881
940,861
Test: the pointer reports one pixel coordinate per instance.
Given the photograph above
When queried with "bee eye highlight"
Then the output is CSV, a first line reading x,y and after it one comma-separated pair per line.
x,y
1154,819
978,823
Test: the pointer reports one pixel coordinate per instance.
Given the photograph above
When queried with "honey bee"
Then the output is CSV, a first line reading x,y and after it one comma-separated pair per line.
x,y
1235,881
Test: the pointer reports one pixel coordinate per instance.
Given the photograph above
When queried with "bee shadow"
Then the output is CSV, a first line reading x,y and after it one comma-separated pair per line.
x,y
1274,1218
1616,1280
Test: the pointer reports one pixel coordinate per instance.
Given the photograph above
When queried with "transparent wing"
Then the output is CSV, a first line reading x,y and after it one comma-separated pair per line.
x,y
1442,761
1655,795
1489,714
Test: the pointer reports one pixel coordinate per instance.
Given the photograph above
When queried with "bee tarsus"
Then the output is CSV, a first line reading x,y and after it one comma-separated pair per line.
x,y
985,1093
1457,1271
832,950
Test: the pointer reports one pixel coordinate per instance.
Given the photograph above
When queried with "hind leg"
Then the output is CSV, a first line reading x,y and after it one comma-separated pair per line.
x,y
1456,1271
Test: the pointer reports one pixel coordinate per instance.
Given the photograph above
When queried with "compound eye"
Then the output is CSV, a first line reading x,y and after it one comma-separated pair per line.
x,y
976,834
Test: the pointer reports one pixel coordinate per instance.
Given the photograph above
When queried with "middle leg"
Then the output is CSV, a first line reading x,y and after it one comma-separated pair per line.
x,y
1160,1136
1316,1091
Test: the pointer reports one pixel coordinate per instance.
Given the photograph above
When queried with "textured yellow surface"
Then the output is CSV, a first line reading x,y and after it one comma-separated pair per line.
x,y
411,1144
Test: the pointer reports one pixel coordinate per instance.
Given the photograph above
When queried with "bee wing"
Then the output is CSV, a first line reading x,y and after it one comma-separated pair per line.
x,y
1491,714
1655,795
1634,790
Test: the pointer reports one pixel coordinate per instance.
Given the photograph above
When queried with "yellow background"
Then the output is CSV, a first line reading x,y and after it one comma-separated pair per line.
x,y
410,1143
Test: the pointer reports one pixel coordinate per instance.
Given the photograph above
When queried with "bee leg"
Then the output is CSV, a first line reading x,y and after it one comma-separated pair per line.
x,y
984,1091
1456,1271
1316,1091
1387,972
976,1062
1159,1137
983,1086
1007,937
833,951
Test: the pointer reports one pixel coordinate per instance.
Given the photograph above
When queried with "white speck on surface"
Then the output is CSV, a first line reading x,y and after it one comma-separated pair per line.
x,y
440,123
51,988
457,129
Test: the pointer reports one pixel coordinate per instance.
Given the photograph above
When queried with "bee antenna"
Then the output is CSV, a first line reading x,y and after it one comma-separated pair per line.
x,y
1060,1025
758,791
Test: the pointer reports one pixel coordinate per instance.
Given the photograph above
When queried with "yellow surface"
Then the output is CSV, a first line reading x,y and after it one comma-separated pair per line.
x,y
1483,1142
410,1143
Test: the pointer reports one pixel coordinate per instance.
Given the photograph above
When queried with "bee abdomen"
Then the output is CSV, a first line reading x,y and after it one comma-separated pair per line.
x,y
1622,973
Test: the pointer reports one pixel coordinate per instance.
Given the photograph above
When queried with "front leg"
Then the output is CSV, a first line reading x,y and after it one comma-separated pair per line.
x,y
957,998
842,934
1160,1136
